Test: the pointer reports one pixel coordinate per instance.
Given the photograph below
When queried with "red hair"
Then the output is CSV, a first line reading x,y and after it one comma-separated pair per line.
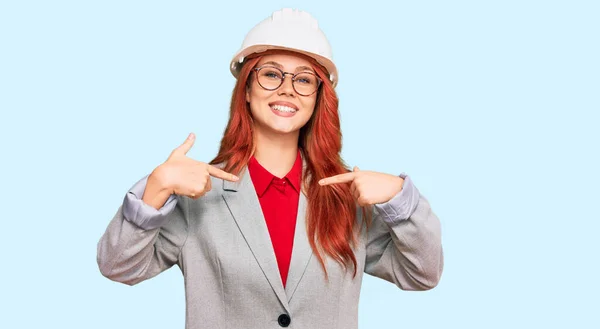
x,y
320,142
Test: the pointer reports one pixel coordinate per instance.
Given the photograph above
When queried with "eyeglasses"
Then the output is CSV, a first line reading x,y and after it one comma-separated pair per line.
x,y
270,78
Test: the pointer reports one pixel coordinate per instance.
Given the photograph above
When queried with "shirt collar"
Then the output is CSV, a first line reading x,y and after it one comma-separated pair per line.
x,y
262,178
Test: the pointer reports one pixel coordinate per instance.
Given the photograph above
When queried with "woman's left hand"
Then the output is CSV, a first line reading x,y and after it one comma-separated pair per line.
x,y
368,187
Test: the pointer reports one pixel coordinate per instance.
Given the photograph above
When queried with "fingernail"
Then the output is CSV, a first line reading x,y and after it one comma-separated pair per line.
x,y
321,182
191,136
236,178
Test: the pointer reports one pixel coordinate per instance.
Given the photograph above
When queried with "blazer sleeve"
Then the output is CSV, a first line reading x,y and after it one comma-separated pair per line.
x,y
140,242
404,241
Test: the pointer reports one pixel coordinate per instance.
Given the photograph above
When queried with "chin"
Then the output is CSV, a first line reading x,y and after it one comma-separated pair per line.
x,y
284,127
281,126
284,130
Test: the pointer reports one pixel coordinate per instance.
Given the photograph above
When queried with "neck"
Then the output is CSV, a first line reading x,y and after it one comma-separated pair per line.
x,y
276,152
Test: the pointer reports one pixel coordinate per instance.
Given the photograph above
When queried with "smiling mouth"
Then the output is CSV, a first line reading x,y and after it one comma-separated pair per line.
x,y
285,109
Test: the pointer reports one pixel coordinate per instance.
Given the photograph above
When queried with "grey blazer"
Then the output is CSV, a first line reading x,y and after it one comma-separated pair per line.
x,y
222,246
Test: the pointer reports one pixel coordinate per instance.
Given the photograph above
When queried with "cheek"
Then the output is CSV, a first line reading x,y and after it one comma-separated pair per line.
x,y
256,99
310,105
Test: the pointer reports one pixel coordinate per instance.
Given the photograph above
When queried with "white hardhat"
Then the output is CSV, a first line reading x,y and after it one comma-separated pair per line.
x,y
288,29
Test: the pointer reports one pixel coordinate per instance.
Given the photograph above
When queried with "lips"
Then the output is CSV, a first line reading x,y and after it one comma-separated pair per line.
x,y
283,105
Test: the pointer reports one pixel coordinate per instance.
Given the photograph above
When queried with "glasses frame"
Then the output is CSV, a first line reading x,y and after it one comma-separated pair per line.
x,y
283,73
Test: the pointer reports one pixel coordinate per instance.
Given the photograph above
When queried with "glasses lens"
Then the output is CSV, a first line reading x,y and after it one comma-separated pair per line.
x,y
306,83
269,77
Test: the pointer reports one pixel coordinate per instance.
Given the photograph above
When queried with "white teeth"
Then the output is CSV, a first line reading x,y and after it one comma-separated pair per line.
x,y
282,108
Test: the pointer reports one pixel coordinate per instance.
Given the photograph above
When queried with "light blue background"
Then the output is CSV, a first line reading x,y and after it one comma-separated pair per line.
x,y
491,106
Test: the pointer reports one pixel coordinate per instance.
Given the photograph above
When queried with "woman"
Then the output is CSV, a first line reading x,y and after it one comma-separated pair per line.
x,y
275,231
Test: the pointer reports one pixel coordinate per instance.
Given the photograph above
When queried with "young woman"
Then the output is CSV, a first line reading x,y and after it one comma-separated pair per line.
x,y
275,231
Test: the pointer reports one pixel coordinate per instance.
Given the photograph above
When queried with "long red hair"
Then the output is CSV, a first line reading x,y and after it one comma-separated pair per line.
x,y
320,141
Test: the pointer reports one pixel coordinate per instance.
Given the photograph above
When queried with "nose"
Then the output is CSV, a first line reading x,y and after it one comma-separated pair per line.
x,y
287,86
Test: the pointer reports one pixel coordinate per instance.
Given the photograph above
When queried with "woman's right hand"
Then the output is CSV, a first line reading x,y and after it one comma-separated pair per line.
x,y
182,176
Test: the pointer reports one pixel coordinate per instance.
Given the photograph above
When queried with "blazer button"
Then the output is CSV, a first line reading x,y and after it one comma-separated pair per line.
x,y
284,320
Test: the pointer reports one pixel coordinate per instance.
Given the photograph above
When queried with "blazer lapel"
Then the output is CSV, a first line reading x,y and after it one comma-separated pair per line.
x,y
245,207
301,252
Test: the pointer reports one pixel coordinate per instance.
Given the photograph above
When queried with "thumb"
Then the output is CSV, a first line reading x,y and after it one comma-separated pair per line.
x,y
356,169
187,145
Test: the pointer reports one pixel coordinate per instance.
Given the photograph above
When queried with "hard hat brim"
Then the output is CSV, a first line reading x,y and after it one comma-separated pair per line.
x,y
239,58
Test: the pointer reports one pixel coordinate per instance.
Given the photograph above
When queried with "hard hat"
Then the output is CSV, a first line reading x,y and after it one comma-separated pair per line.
x,y
288,29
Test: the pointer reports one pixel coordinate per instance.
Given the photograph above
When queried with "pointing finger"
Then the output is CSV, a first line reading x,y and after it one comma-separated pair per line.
x,y
341,178
216,172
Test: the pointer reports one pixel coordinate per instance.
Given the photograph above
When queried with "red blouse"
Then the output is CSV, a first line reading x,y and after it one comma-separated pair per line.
x,y
279,202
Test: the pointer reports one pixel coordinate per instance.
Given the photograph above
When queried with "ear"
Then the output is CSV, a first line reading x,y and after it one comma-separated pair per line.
x,y
247,94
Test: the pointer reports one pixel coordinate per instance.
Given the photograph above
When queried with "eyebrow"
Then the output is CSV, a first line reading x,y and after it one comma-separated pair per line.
x,y
299,68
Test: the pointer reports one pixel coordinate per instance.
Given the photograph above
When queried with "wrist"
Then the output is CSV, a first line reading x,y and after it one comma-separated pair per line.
x,y
156,192
159,181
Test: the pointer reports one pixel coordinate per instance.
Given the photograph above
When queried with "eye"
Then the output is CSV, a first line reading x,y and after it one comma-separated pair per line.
x,y
306,78
270,73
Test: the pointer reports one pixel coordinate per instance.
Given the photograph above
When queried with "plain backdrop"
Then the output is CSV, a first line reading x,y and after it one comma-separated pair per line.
x,y
491,107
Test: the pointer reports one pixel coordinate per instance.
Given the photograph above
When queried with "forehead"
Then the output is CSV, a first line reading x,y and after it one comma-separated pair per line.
x,y
288,61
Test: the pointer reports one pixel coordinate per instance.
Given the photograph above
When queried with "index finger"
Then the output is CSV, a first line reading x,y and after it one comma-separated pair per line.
x,y
341,178
216,172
